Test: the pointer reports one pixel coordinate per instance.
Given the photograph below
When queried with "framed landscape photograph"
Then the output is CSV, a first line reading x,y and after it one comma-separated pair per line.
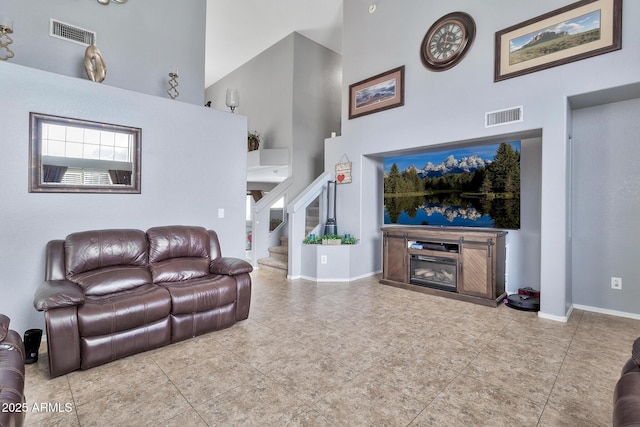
x,y
577,31
377,93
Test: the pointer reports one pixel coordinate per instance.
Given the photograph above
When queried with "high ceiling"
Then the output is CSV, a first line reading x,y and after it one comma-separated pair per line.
x,y
238,30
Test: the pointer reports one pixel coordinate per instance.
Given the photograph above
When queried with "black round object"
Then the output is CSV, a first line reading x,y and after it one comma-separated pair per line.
x,y
523,302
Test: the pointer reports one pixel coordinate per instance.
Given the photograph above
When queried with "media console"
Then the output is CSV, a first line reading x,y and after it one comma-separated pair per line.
x,y
459,263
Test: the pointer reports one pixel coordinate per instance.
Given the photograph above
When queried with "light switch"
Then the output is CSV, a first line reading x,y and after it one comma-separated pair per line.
x,y
220,213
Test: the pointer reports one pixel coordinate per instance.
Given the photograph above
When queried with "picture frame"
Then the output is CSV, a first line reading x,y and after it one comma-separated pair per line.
x,y
377,93
577,31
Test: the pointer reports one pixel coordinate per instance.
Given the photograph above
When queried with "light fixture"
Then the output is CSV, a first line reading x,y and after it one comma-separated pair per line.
x,y
372,7
112,1
233,99
173,83
6,28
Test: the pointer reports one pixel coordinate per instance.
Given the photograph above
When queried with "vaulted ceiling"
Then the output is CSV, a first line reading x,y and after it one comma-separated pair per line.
x,y
238,30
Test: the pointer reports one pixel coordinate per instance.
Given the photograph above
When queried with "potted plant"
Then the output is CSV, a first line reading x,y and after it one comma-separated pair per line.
x,y
330,239
253,140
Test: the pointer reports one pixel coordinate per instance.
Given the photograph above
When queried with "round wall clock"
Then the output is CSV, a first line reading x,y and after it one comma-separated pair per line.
x,y
447,41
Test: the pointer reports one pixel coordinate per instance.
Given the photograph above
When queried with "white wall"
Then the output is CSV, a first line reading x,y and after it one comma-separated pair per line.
x,y
317,79
449,107
190,158
291,96
140,41
266,93
606,183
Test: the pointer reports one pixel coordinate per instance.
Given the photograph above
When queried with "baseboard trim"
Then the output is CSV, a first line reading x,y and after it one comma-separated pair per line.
x,y
338,280
607,311
563,319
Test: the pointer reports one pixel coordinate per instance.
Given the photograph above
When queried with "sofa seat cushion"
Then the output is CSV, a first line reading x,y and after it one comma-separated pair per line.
x,y
202,294
122,311
110,280
179,269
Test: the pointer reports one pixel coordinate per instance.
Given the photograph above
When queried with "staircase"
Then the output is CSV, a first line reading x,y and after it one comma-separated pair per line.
x,y
278,259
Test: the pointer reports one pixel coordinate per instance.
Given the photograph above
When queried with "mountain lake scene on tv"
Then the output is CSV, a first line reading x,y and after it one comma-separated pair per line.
x,y
466,187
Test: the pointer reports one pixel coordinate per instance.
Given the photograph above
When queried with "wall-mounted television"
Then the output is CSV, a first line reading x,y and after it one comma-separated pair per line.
x,y
475,186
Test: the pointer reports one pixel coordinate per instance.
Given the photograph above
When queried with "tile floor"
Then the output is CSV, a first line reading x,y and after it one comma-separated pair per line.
x,y
355,354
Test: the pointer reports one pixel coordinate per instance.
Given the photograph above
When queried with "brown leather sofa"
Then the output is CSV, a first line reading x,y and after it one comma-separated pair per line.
x,y
108,294
12,398
626,396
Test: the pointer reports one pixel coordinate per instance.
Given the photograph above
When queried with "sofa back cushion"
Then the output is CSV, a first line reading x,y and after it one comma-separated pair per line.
x,y
178,252
107,261
108,280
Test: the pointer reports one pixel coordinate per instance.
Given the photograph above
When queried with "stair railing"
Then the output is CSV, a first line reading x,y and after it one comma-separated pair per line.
x,y
297,220
262,235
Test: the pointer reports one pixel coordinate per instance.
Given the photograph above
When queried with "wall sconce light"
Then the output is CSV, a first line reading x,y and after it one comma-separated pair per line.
x,y
233,99
173,83
6,28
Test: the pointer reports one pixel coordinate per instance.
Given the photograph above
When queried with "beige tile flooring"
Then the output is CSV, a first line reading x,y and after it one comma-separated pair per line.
x,y
355,354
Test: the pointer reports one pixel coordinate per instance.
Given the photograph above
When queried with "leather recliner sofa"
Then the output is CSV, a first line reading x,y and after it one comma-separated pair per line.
x,y
12,397
626,396
108,294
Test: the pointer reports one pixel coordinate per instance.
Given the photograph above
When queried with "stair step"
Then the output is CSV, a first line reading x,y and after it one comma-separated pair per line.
x,y
274,266
279,250
279,253
284,241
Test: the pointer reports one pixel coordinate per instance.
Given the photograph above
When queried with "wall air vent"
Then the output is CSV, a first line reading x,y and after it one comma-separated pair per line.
x,y
503,117
71,33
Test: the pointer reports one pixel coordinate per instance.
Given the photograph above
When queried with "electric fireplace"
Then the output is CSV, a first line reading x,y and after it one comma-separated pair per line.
x,y
434,271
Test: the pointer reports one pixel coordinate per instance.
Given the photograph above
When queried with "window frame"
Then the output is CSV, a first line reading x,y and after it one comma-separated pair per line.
x,y
36,181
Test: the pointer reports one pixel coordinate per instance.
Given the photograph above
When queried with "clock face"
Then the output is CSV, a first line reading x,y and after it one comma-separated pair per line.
x,y
447,41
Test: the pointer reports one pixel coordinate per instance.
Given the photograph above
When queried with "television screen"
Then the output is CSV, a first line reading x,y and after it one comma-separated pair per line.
x,y
464,187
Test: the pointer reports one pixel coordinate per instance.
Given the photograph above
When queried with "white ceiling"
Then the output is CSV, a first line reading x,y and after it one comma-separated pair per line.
x,y
238,30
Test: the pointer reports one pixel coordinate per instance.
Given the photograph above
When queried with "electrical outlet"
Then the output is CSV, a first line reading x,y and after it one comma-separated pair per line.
x,y
616,283
323,259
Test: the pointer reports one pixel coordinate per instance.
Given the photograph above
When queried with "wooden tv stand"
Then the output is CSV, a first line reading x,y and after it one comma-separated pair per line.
x,y
459,263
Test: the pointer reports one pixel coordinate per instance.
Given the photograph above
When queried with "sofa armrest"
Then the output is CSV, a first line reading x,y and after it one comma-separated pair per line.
x,y
230,266
57,294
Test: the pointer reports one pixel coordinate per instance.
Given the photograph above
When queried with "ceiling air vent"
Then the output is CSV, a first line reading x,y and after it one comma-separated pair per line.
x,y
503,117
71,33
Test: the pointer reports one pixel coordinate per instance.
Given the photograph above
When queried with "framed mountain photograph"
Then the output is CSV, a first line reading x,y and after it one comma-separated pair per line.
x,y
377,93
578,31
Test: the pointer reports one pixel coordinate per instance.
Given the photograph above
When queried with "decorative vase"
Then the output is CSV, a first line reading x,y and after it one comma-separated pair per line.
x,y
94,64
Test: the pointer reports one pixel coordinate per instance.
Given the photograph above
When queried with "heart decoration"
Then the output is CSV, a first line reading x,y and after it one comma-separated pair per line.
x,y
340,177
